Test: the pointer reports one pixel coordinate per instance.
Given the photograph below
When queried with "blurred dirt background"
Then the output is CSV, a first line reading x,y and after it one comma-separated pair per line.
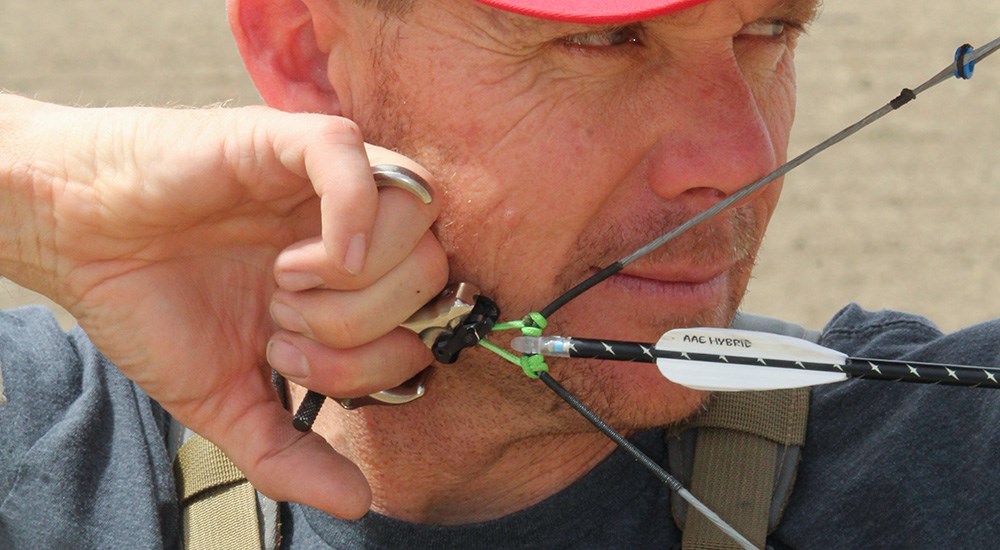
x,y
903,216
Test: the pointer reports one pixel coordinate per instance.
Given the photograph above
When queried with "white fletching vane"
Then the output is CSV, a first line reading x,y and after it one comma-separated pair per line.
x,y
719,375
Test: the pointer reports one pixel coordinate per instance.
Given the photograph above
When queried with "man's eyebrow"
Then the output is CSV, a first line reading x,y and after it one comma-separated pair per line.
x,y
500,20
801,12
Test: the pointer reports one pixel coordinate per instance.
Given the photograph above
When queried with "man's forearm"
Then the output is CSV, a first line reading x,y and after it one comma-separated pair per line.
x,y
22,195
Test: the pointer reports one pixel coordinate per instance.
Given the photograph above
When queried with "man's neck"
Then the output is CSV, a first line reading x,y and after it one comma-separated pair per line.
x,y
451,480
470,451
436,461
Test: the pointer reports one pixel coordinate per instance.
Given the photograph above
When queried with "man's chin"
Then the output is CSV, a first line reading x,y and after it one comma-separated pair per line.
x,y
629,396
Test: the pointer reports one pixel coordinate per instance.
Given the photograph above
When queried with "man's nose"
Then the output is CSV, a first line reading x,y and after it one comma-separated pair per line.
x,y
715,138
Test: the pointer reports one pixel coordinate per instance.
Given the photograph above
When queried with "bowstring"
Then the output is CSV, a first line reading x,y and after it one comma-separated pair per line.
x,y
907,95
650,464
962,68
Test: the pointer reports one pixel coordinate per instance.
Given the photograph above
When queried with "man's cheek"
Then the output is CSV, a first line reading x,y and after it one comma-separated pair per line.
x,y
778,106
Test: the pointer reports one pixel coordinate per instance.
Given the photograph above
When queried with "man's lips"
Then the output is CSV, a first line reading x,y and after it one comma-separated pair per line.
x,y
679,275
690,286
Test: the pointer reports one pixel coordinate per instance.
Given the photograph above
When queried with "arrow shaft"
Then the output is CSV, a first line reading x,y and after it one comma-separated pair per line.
x,y
855,367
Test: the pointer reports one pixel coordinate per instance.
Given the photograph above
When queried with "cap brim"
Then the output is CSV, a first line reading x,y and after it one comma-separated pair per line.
x,y
593,11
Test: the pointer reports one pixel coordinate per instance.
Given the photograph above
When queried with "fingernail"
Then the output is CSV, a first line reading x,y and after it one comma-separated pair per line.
x,y
294,281
354,260
287,359
288,319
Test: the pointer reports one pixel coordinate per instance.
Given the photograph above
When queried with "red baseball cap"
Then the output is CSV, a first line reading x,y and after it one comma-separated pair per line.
x,y
593,11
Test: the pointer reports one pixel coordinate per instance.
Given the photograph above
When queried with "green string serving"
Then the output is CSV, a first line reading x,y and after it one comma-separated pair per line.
x,y
531,325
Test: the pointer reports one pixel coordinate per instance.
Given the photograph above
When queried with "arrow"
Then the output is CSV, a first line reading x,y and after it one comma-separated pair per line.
x,y
751,373
722,359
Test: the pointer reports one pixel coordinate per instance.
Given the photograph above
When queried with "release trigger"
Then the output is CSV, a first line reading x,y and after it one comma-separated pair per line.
x,y
456,319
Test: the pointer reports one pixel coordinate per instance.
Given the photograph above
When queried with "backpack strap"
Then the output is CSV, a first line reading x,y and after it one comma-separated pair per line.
x,y
219,506
740,455
220,509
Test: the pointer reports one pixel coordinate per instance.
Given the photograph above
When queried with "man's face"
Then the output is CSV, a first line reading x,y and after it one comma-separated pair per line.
x,y
559,148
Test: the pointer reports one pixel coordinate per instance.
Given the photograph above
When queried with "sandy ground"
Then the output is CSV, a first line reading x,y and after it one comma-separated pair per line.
x,y
903,216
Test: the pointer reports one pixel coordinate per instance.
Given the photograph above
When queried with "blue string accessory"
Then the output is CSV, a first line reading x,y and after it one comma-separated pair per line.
x,y
964,70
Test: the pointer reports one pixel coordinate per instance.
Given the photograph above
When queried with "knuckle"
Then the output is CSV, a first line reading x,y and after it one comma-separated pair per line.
x,y
339,331
344,380
434,263
342,131
336,280
353,373
438,272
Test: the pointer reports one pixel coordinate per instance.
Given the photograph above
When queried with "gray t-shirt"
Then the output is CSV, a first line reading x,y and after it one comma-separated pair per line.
x,y
83,460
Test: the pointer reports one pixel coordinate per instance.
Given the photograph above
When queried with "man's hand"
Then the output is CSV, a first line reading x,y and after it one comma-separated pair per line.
x,y
174,236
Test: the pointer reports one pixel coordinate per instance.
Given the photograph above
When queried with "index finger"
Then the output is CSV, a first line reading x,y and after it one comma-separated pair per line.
x,y
402,216
340,172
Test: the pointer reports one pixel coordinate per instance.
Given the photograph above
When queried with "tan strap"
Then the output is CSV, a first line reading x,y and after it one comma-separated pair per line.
x,y
746,445
779,416
219,505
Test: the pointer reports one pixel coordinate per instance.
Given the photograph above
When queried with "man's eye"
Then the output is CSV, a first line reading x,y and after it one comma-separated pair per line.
x,y
604,38
766,28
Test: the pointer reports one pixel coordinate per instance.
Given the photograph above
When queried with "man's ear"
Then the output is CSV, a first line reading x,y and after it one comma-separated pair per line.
x,y
279,48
